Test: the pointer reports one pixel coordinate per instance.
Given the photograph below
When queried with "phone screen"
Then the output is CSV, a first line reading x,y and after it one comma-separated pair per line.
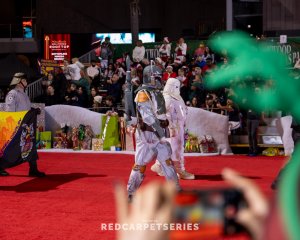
x,y
207,214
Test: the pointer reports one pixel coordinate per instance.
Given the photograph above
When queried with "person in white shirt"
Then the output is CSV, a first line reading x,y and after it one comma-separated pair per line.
x,y
138,52
180,50
93,72
165,50
74,69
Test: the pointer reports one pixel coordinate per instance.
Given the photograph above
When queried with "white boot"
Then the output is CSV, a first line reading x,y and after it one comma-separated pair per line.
x,y
183,174
157,169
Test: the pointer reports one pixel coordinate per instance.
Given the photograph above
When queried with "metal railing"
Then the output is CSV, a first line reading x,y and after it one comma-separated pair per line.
x,y
35,89
87,57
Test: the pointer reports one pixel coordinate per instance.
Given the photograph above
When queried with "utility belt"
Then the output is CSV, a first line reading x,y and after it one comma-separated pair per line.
x,y
145,127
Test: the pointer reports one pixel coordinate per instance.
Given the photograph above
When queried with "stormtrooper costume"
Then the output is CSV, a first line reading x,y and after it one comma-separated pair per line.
x,y
151,140
176,115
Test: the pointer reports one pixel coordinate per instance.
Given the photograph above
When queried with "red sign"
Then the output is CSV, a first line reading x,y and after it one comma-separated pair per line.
x,y
57,47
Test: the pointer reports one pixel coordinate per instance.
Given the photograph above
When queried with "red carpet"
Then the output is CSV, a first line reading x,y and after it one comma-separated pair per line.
x,y
77,194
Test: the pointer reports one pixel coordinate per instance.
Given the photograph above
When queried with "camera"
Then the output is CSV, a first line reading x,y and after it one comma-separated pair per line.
x,y
211,213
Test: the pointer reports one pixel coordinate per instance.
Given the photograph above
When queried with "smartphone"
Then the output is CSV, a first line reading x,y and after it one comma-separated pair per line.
x,y
207,214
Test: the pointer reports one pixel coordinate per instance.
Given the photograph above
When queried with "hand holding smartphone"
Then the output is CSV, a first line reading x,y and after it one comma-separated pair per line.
x,y
207,214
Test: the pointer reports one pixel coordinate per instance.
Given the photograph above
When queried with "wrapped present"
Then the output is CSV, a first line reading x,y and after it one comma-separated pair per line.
x,y
45,139
191,144
58,143
271,152
207,144
97,144
110,131
88,136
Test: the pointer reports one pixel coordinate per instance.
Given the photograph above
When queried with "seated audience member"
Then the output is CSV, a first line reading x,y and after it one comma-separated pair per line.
x,y
211,104
93,71
51,98
93,93
97,104
194,102
82,97
109,71
71,96
114,88
168,73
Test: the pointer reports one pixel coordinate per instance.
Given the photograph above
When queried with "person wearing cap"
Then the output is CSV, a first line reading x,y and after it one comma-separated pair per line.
x,y
168,73
17,100
165,50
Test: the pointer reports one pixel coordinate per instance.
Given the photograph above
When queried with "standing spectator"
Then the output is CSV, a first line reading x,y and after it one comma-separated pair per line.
x,y
165,50
253,119
83,82
66,70
199,51
93,71
74,69
180,50
16,100
138,52
106,53
114,88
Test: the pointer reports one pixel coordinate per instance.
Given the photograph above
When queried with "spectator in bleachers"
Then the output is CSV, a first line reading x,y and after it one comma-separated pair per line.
x,y
65,70
168,73
51,98
196,90
120,71
180,50
83,82
138,53
107,51
165,50
114,88
184,89
93,93
199,51
233,113
209,54
109,71
194,102
211,102
93,71
97,103
71,96
82,97
74,69
109,104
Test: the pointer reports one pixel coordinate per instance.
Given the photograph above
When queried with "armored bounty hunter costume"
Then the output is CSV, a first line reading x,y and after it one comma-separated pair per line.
x,y
16,100
151,123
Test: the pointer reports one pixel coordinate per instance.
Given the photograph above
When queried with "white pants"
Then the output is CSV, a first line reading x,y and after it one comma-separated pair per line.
x,y
148,148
